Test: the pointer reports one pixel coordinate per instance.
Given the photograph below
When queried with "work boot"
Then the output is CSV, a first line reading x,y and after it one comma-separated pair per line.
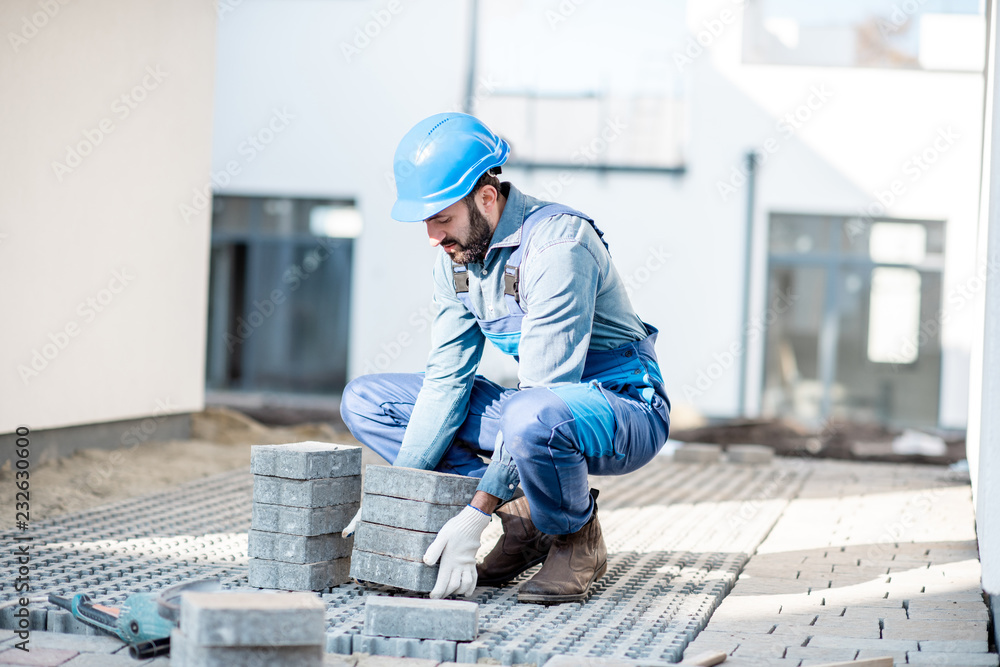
x,y
574,563
521,546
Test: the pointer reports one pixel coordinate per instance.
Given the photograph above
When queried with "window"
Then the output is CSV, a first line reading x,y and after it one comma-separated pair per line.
x,y
279,293
909,34
587,85
861,339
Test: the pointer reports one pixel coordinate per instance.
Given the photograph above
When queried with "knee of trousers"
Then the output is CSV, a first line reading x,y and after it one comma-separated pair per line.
x,y
357,401
534,418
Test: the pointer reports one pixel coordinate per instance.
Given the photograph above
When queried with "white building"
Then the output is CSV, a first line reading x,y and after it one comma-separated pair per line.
x,y
865,120
106,129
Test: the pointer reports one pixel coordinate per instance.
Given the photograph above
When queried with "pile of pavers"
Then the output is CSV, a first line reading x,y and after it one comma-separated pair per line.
x,y
249,629
402,512
304,495
696,452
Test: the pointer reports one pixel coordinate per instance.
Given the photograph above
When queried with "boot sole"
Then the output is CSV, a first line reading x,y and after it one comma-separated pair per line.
x,y
499,581
535,598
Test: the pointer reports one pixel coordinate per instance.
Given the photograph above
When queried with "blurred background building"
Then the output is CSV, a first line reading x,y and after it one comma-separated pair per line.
x,y
824,280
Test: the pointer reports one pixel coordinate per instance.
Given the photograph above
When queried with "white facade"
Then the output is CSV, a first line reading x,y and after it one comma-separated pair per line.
x,y
677,238
106,130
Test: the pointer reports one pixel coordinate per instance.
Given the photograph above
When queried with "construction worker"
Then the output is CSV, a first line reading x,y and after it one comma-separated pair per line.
x,y
537,281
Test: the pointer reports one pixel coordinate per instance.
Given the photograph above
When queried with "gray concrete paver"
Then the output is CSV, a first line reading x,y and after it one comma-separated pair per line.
x,y
927,630
817,653
953,659
252,619
954,645
306,460
80,643
455,620
898,657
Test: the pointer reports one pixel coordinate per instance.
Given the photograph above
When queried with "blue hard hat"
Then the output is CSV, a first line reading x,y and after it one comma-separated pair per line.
x,y
439,161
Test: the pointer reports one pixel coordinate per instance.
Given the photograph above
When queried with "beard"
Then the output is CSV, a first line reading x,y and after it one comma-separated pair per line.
x,y
474,248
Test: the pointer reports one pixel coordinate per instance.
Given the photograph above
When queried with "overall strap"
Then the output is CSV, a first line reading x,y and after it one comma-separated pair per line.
x,y
512,270
460,273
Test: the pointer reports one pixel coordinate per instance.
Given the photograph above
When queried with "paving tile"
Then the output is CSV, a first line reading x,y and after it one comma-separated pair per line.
x,y
928,630
394,542
582,661
385,661
899,645
40,657
752,649
405,574
423,485
817,653
963,613
856,612
953,659
334,660
306,460
746,661
955,645
753,626
105,660
454,620
184,653
749,454
406,513
298,548
425,649
280,575
303,520
103,644
252,619
696,452
835,626
306,493
898,657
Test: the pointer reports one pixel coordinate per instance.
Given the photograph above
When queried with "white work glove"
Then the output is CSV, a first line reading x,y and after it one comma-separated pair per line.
x,y
352,526
456,545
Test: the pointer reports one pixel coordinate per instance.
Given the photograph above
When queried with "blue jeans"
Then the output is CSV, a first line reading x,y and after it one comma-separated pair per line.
x,y
552,446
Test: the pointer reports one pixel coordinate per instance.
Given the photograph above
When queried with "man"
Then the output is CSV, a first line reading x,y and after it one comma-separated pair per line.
x,y
536,280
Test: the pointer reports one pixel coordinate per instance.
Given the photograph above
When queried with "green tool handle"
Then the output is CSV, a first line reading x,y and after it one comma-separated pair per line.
x,y
81,608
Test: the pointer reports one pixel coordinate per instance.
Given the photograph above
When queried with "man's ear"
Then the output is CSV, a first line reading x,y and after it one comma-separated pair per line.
x,y
488,198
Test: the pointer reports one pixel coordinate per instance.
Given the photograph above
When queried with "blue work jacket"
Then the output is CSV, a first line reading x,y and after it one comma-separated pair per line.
x,y
575,302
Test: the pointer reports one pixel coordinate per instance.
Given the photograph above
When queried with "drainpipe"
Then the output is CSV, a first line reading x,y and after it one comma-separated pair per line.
x,y
751,168
470,82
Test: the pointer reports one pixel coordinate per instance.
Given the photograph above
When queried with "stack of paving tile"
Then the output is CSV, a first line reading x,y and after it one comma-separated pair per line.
x,y
402,511
249,629
304,495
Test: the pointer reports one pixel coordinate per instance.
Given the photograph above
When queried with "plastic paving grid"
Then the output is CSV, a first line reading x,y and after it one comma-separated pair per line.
x,y
677,534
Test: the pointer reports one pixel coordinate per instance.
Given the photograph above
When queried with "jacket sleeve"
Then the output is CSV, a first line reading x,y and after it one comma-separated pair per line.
x,y
443,401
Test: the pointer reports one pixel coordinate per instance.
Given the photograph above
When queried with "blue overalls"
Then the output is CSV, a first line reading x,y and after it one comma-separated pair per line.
x,y
547,438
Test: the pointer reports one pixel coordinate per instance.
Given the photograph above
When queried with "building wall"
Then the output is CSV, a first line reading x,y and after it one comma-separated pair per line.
x,y
107,129
984,436
676,238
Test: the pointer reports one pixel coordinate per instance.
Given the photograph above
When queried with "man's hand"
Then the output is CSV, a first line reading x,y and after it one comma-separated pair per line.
x,y
352,526
456,545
